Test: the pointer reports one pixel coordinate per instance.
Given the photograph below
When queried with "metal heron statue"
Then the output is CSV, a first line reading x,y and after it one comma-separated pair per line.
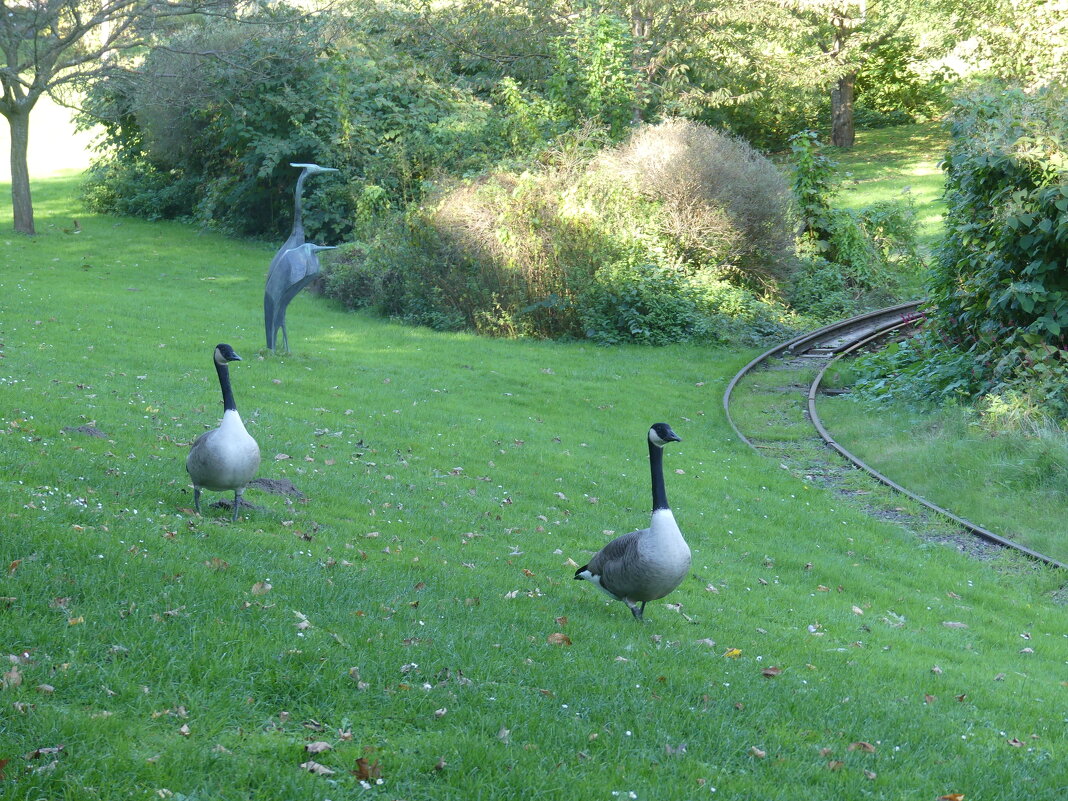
x,y
293,267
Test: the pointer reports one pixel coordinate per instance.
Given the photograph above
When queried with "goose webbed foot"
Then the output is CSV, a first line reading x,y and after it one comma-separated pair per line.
x,y
638,611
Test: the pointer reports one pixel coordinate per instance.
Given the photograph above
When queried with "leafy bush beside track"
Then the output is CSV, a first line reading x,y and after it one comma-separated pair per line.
x,y
998,324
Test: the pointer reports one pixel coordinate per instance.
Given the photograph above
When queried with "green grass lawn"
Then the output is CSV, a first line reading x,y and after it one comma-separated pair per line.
x,y
1009,483
452,483
887,162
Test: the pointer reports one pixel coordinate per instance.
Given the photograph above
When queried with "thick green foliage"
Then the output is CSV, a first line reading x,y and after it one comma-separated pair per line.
x,y
850,258
999,289
227,128
593,78
893,87
668,237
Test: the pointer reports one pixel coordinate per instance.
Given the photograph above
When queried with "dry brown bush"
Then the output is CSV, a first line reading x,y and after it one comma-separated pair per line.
x,y
723,201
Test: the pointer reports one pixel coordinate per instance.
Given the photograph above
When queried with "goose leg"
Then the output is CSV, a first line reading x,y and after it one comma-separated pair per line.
x,y
638,611
237,504
196,499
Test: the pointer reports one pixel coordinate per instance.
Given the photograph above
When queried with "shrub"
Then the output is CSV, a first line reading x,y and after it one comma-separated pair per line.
x,y
724,202
301,91
852,258
628,243
998,289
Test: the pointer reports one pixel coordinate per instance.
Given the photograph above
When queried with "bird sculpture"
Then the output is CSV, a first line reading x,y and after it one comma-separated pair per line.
x,y
644,565
225,458
289,273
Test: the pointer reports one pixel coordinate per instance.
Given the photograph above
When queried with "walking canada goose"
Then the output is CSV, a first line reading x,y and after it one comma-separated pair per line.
x,y
644,565
227,457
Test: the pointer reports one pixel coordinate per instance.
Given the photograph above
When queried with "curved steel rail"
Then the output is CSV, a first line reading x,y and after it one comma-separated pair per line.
x,y
804,342
799,344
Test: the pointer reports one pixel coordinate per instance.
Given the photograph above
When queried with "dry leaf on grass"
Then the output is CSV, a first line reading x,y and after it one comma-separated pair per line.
x,y
317,747
559,638
316,768
366,770
867,748
11,679
771,672
40,752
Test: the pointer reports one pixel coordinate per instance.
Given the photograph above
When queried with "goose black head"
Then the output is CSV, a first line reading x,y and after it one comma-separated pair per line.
x,y
661,434
224,353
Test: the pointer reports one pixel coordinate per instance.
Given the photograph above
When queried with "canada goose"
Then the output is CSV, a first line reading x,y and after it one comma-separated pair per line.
x,y
644,565
227,457
284,277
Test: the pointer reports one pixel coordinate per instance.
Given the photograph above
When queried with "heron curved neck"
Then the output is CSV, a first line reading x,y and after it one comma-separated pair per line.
x,y
656,471
224,384
298,203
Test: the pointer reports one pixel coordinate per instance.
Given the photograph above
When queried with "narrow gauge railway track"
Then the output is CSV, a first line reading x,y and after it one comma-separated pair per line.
x,y
823,348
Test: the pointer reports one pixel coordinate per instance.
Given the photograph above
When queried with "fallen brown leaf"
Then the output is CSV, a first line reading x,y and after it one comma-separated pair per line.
x,y
317,747
835,764
40,752
11,679
862,746
951,797
559,638
771,672
758,753
316,768
261,588
366,770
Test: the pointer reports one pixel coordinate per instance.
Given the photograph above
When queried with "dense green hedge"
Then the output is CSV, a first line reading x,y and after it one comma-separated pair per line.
x,y
998,322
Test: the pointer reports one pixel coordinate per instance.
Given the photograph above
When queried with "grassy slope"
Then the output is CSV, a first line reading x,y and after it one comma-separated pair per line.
x,y
986,479
890,161
1012,484
142,618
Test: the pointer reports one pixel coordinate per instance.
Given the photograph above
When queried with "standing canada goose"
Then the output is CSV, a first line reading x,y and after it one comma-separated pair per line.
x,y
227,457
647,564
285,278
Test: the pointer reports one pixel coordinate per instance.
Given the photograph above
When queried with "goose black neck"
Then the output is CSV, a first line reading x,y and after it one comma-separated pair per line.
x,y
224,382
656,470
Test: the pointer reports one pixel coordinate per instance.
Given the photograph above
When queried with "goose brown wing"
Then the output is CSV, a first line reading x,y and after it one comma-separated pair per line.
x,y
615,563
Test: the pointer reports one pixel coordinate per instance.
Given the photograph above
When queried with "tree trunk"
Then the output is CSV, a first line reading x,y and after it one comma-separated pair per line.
x,y
842,131
21,203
